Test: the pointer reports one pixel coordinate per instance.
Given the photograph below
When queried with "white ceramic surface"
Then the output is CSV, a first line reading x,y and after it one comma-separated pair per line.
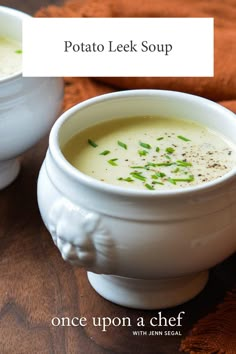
x,y
28,106
143,249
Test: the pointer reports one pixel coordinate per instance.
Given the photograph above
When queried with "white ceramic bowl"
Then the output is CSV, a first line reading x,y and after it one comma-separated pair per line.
x,y
143,249
28,106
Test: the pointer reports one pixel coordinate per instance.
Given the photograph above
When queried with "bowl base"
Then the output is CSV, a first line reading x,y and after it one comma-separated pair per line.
x,y
148,294
9,170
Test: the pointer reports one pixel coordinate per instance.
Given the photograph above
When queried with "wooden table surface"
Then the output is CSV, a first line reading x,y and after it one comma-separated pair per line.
x,y
36,285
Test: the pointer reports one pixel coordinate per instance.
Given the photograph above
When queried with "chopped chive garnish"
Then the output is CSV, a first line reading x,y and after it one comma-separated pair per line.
x,y
160,174
167,157
151,164
142,152
161,137
121,144
156,182
183,138
92,143
105,152
171,180
190,179
112,162
170,150
145,145
138,175
128,179
148,186
175,170
18,51
165,164
157,149
183,163
144,167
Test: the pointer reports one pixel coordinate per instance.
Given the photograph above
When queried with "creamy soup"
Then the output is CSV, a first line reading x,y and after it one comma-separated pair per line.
x,y
151,153
10,57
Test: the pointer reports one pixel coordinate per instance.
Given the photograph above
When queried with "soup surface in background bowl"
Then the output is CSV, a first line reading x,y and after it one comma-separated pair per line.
x,y
151,153
10,57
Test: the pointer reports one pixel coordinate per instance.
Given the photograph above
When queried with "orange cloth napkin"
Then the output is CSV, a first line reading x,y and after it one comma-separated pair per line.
x,y
221,88
216,332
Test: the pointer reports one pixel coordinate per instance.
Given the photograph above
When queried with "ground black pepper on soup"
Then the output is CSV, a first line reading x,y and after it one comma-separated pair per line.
x,y
151,153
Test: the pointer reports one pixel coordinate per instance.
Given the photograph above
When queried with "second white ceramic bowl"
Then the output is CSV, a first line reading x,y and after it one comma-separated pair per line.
x,y
28,106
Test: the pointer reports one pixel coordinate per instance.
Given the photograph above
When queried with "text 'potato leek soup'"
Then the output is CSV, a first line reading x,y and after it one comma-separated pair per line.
x,y
151,153
10,57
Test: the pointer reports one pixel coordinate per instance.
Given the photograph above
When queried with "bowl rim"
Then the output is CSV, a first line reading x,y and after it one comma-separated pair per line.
x,y
93,183
20,15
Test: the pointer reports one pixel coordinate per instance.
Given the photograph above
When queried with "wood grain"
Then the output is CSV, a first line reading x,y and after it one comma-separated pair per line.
x,y
37,285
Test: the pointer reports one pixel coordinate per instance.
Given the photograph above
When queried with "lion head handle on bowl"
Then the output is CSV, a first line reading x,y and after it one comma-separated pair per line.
x,y
81,236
